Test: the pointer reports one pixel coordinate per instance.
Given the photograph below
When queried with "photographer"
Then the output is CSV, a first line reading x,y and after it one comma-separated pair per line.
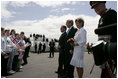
x,y
109,34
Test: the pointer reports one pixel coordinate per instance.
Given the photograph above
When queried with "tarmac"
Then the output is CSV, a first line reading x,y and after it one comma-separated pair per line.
x,y
40,66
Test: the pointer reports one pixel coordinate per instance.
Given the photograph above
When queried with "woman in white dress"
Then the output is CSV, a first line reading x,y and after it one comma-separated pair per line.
x,y
79,47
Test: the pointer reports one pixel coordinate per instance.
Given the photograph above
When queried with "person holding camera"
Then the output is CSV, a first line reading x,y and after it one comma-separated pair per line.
x,y
107,34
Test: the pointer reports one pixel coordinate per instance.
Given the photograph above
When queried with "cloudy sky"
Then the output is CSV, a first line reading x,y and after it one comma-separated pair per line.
x,y
42,17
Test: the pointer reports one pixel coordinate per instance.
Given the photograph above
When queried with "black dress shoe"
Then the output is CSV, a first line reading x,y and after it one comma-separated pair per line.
x,y
24,64
63,76
59,76
56,72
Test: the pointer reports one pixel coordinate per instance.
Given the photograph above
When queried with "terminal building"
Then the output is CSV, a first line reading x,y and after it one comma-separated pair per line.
x,y
42,40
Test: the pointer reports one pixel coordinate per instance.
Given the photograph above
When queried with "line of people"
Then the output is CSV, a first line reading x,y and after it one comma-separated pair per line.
x,y
41,48
72,54
14,48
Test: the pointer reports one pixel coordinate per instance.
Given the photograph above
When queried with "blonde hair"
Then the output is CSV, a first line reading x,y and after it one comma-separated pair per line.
x,y
80,20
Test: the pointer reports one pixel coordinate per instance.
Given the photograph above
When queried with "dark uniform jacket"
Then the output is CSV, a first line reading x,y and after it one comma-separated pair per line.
x,y
110,17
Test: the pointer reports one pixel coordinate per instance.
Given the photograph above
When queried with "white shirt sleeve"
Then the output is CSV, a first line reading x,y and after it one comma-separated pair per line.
x,y
82,40
3,44
10,44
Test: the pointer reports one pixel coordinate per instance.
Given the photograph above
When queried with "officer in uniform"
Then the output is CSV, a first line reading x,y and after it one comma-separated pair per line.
x,y
108,16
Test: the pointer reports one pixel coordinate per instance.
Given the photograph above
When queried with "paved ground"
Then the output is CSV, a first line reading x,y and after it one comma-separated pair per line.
x,y
40,66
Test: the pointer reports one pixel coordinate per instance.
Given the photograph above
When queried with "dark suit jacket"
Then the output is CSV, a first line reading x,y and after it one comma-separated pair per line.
x,y
40,46
62,40
51,44
71,34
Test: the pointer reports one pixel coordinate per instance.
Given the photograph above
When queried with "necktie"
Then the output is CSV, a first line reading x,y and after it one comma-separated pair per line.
x,y
68,31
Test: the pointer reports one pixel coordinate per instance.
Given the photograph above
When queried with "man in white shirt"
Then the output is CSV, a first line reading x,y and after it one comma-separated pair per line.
x,y
4,55
9,49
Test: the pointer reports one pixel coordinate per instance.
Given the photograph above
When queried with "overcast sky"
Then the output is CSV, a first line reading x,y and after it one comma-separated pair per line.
x,y
46,17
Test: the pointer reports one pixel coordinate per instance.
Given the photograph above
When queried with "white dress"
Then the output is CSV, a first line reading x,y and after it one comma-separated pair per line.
x,y
78,53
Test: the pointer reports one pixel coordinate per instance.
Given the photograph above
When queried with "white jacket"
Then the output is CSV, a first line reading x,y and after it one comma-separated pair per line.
x,y
3,44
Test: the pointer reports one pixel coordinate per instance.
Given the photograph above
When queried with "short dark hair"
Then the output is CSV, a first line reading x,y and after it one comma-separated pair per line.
x,y
21,32
7,30
2,29
64,27
70,21
12,31
16,34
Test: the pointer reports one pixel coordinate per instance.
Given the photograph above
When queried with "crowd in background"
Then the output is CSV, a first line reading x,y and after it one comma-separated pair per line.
x,y
41,44
14,51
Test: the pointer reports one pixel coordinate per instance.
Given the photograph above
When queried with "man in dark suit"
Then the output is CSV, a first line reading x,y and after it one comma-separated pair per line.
x,y
35,46
61,60
70,34
52,45
27,49
40,48
44,47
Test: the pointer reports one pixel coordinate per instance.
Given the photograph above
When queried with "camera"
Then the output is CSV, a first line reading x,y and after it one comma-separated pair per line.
x,y
106,48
